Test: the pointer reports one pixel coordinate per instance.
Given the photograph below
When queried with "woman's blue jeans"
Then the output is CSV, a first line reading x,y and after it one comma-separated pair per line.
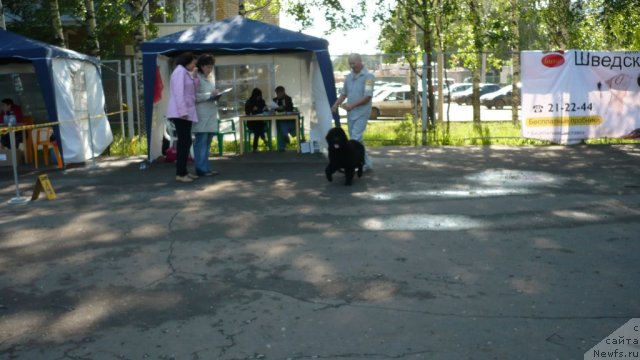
x,y
201,150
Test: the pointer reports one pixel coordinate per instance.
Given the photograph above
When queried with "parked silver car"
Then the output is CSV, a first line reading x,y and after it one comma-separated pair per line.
x,y
497,99
465,97
454,89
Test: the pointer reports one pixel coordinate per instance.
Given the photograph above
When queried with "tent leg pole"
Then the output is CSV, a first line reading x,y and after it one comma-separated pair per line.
x,y
136,91
93,154
17,199
124,137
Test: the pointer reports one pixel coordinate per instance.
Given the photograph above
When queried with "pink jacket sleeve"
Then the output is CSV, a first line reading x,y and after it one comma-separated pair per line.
x,y
178,109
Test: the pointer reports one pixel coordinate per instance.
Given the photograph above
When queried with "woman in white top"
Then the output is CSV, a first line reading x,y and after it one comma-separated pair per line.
x,y
207,108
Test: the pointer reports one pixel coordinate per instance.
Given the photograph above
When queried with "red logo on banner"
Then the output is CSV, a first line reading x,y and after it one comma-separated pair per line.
x,y
553,60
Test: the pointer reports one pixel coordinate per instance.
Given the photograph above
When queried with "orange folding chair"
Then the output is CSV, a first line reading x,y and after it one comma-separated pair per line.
x,y
42,139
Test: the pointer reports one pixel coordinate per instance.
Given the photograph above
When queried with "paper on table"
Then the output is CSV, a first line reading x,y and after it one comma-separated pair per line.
x,y
221,93
272,105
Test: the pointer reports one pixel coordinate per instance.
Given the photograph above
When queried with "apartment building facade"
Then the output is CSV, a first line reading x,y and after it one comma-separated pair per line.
x,y
187,13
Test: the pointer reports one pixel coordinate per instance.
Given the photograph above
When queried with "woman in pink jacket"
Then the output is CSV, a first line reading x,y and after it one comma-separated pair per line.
x,y
182,110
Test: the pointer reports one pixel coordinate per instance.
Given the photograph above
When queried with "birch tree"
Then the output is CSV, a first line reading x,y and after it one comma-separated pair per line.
x,y
514,40
2,23
93,45
56,23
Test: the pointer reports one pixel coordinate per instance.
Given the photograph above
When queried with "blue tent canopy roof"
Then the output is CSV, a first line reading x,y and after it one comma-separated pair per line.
x,y
235,34
17,46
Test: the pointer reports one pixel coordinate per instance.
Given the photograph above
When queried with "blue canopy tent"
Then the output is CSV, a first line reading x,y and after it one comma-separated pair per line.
x,y
241,36
51,65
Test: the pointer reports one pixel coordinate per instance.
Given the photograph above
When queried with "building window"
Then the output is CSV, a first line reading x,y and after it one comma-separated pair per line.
x,y
183,11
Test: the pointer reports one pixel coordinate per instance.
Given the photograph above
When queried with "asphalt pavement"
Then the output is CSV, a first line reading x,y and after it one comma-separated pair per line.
x,y
438,253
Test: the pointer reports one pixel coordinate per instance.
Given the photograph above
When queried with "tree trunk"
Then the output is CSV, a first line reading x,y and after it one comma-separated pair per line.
x,y
564,27
56,23
475,96
416,99
474,8
140,36
515,61
427,45
430,60
2,23
560,22
92,32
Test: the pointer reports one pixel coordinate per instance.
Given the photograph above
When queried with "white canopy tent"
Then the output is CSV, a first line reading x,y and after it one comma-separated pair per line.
x,y
296,61
71,89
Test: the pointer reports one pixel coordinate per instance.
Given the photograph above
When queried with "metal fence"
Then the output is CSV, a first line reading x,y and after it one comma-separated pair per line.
x,y
398,95
119,79
397,104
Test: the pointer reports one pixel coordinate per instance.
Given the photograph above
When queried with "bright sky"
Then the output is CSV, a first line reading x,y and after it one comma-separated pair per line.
x,y
363,41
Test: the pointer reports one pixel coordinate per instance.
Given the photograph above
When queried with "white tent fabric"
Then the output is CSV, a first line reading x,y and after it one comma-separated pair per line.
x,y
322,122
160,110
79,96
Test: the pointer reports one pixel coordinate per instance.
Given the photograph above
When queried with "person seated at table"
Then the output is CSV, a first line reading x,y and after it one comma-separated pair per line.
x,y
10,113
255,105
285,127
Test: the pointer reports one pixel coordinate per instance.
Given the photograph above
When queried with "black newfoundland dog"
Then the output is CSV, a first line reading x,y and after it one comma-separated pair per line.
x,y
344,154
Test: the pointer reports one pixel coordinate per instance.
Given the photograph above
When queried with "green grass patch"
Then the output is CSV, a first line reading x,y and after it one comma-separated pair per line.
x,y
406,132
122,146
611,141
138,145
393,133
381,133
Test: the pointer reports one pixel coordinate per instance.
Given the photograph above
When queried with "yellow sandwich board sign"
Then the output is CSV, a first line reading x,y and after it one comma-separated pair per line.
x,y
43,183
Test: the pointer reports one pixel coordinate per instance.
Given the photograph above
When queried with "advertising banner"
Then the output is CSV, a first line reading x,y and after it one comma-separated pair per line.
x,y
568,96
